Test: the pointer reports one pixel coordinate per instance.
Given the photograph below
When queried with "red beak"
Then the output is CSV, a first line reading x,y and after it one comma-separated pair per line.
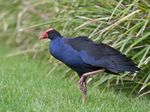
x,y
43,35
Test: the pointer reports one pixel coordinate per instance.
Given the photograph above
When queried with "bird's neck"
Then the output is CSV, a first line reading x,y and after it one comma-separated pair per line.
x,y
56,41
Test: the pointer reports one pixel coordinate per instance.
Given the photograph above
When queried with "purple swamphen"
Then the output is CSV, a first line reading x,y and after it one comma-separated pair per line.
x,y
87,57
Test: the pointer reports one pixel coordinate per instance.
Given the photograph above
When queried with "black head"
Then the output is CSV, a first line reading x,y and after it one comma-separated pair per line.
x,y
51,34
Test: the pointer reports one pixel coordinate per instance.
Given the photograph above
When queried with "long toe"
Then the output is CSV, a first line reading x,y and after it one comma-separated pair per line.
x,y
83,88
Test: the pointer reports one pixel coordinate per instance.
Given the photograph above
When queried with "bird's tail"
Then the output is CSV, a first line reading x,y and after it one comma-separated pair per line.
x,y
123,64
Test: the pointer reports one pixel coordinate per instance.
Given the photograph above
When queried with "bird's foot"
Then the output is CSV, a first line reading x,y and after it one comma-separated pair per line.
x,y
82,83
83,88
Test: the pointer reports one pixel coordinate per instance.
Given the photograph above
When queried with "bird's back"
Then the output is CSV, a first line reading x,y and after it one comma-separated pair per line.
x,y
101,55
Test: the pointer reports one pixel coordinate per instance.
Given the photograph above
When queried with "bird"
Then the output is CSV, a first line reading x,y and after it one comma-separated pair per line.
x,y
86,57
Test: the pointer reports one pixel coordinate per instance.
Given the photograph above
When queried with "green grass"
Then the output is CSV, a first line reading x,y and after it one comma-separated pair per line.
x,y
27,85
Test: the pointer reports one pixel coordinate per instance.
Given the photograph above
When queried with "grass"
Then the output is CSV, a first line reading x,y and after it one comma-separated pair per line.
x,y
27,85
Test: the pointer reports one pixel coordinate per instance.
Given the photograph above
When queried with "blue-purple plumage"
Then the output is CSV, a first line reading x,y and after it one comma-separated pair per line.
x,y
83,55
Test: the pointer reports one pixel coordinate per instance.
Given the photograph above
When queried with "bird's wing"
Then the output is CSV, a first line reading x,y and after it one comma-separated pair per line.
x,y
101,55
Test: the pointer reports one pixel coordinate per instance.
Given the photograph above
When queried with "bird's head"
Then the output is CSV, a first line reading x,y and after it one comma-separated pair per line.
x,y
50,34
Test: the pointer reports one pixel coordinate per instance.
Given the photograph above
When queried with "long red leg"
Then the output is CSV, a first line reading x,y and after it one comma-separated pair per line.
x,y
82,82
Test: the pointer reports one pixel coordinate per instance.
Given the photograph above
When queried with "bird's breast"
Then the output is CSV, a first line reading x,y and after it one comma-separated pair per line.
x,y
65,53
